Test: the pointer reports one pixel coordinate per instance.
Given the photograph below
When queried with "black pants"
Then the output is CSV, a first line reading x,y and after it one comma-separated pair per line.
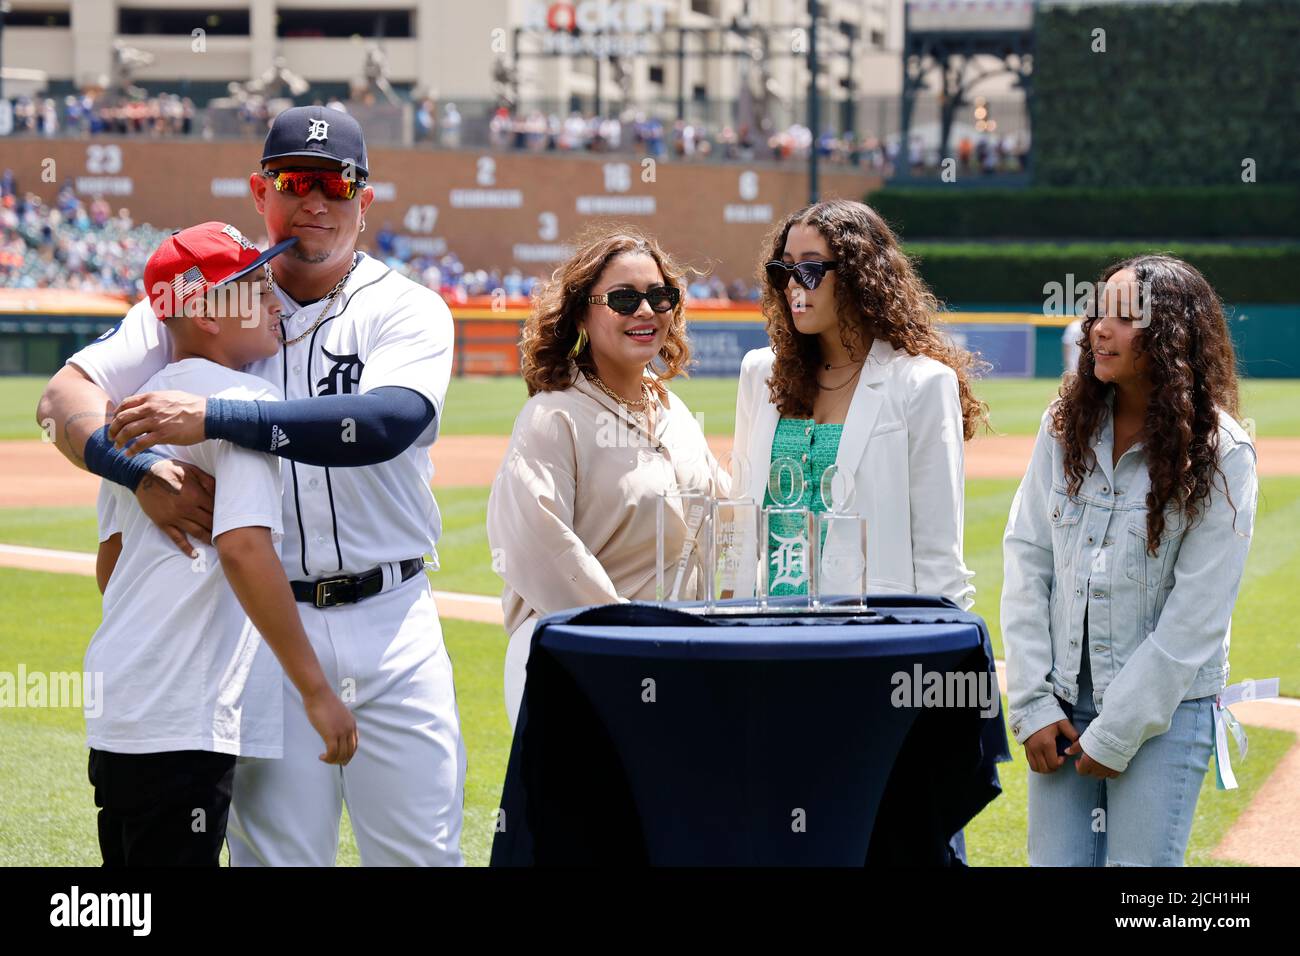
x,y
162,809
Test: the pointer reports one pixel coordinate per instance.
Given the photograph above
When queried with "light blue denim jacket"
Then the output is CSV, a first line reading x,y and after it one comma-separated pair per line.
x,y
1158,627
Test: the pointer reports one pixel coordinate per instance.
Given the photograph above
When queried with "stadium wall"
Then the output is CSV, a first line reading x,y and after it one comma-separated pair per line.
x,y
493,209
1016,339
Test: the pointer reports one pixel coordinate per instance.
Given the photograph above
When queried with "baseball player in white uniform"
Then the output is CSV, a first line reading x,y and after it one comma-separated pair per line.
x,y
364,370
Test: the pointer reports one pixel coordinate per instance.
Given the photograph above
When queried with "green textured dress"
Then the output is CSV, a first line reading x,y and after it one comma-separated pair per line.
x,y
813,448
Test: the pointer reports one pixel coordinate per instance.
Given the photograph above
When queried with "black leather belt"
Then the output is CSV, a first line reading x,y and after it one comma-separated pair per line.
x,y
350,588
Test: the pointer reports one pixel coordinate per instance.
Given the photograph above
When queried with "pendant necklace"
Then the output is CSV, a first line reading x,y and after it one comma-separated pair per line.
x,y
329,299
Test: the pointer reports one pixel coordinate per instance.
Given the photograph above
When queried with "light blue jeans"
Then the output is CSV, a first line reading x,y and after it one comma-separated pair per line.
x,y
1142,817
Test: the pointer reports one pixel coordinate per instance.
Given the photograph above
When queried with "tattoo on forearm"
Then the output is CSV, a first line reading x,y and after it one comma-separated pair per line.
x,y
149,483
67,431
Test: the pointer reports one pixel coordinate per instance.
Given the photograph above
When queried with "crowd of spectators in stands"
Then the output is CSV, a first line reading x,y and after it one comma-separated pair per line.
x,y
449,276
71,244
255,113
631,132
83,244
987,154
446,274
679,139
84,114
166,114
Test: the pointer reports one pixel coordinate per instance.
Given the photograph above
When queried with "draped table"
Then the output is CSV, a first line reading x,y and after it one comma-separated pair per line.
x,y
648,735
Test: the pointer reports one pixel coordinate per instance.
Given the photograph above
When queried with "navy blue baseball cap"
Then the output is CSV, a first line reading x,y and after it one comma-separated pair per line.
x,y
317,131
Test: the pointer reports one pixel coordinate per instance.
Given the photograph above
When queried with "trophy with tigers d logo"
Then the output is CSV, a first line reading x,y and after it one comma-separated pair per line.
x,y
785,536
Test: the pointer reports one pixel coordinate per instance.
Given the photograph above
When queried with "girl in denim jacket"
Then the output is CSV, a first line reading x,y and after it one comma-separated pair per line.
x,y
1124,552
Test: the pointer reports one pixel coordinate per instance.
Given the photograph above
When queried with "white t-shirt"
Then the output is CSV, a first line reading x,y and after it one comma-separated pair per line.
x,y
383,330
183,669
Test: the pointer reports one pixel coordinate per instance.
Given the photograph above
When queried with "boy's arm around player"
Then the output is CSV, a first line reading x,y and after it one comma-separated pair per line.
x,y
246,519
255,574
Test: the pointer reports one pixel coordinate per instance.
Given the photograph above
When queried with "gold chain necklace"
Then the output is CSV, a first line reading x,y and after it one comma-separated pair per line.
x,y
633,406
329,299
636,411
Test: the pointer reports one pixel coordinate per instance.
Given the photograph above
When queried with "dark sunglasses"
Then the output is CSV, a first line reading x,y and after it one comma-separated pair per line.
x,y
662,298
808,274
300,182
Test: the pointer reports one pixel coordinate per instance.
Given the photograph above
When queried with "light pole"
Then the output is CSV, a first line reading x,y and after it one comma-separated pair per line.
x,y
4,9
814,107
849,114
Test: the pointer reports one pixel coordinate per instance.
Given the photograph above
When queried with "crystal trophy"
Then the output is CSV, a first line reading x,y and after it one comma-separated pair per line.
x,y
735,524
683,545
784,535
839,544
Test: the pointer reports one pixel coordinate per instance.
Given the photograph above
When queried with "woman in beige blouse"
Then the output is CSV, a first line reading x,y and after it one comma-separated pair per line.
x,y
571,516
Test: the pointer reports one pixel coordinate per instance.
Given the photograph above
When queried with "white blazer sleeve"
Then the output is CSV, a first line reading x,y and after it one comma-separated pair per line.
x,y
530,519
744,413
734,583
936,474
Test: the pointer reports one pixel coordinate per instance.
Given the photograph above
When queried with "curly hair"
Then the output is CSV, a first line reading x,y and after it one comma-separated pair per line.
x,y
877,293
552,327
1193,374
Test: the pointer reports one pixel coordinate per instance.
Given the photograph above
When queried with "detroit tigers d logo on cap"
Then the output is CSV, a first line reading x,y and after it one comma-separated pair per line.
x,y
321,132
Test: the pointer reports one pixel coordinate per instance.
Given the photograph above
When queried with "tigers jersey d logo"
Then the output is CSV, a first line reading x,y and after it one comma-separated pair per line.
x,y
343,376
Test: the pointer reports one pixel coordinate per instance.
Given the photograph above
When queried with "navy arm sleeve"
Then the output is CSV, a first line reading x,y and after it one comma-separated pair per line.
x,y
337,431
103,458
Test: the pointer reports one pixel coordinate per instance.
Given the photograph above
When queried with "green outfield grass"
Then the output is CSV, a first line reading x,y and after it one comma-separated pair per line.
x,y
47,815
487,406
46,811
18,397
1265,642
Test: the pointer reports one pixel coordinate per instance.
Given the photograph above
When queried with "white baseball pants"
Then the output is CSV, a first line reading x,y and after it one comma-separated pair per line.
x,y
405,785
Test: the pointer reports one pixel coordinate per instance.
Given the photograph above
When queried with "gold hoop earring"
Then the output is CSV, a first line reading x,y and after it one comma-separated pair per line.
x,y
580,344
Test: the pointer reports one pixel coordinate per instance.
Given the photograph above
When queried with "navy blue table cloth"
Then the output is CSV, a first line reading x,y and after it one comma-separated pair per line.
x,y
653,736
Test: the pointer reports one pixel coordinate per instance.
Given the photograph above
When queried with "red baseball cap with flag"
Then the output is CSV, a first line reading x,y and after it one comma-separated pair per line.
x,y
191,262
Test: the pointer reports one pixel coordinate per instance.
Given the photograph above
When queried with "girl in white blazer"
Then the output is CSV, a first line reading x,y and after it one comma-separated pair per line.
x,y
853,343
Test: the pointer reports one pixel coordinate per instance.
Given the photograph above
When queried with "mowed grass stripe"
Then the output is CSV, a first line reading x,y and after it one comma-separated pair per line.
x,y
488,406
47,812
47,815
63,529
1265,641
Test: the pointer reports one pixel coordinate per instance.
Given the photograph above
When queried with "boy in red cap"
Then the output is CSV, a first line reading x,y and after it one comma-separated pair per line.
x,y
185,647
